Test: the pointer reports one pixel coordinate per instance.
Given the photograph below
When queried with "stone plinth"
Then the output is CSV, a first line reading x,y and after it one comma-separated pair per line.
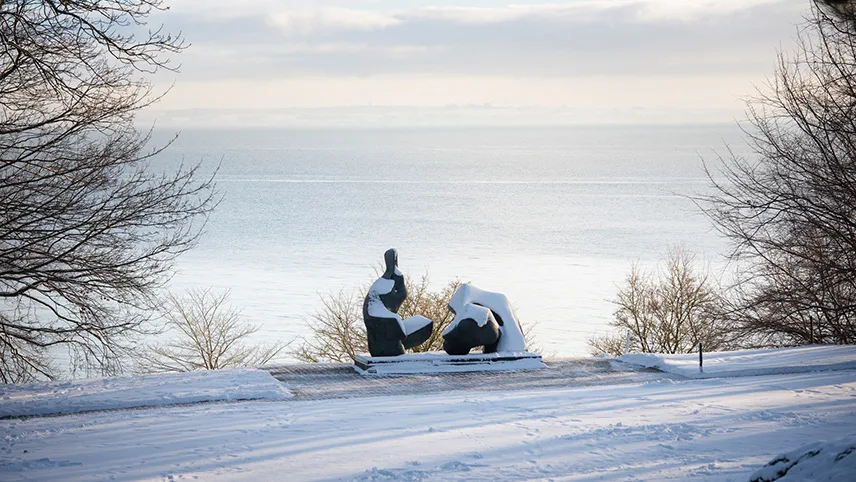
x,y
436,362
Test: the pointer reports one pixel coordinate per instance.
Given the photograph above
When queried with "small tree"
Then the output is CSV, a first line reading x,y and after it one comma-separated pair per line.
x,y
338,333
671,310
210,335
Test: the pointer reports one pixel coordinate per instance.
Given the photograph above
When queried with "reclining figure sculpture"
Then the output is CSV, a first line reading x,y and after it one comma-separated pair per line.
x,y
483,319
387,333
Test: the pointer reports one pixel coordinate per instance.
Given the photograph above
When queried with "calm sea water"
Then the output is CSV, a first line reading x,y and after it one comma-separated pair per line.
x,y
552,217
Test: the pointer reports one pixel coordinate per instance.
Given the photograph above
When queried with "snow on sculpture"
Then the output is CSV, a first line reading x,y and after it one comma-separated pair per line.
x,y
484,319
387,333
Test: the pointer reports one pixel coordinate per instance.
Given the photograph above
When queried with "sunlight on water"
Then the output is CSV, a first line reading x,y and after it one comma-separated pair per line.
x,y
552,216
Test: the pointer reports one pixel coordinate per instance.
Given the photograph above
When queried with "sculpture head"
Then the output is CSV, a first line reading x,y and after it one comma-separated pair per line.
x,y
391,259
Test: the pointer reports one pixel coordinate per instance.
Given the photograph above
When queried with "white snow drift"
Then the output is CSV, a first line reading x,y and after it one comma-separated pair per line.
x,y
817,462
142,391
751,362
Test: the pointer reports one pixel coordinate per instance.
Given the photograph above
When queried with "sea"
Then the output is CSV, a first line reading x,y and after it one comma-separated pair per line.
x,y
553,217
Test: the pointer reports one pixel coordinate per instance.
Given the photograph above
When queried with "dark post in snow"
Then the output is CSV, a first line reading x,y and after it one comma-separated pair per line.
x,y
700,359
811,330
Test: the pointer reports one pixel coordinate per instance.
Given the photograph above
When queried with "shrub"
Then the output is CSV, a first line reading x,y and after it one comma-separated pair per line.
x,y
210,336
670,310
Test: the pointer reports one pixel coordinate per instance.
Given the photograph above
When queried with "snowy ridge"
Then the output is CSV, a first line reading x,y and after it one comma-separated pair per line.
x,y
818,461
382,286
747,363
54,398
477,313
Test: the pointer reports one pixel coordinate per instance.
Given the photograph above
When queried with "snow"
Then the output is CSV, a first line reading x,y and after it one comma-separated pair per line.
x,y
479,314
376,308
666,428
414,324
142,391
818,462
466,295
382,286
751,362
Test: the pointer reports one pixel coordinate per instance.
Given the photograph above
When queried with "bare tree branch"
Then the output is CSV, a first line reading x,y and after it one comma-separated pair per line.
x,y
208,335
790,211
88,232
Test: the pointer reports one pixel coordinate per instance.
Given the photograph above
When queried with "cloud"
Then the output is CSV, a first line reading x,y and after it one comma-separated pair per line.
x,y
585,11
627,42
585,38
477,15
595,92
306,21
687,11
313,17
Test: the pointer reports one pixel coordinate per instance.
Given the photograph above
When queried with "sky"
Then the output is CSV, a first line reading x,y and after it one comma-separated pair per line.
x,y
580,60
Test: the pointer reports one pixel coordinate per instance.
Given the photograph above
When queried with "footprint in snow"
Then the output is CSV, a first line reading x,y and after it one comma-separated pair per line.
x,y
456,466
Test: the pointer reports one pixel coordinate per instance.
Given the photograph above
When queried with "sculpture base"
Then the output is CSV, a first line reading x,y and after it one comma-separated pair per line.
x,y
438,362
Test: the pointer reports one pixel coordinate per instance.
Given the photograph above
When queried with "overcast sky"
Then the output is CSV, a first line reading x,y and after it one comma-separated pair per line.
x,y
649,56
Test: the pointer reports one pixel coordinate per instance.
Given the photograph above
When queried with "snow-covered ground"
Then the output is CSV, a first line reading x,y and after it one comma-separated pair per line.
x,y
701,429
751,362
141,391
833,461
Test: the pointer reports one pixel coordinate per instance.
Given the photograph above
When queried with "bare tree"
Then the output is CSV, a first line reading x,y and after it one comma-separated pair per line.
x,y
790,210
612,344
338,333
208,335
87,231
843,9
667,311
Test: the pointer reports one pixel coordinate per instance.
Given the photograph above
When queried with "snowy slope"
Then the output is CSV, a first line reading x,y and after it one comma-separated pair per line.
x,y
142,391
716,429
751,362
